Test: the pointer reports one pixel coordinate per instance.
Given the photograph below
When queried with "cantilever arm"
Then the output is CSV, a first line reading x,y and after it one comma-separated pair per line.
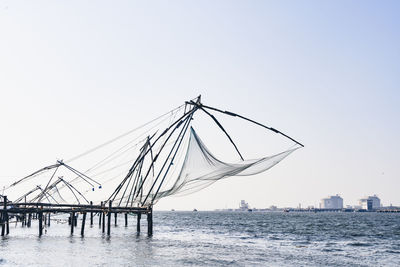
x,y
250,120
219,125
36,172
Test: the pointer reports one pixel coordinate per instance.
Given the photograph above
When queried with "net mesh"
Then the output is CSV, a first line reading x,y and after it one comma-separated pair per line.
x,y
201,168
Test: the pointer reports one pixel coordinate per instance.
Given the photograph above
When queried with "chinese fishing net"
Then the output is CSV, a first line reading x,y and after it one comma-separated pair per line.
x,y
201,168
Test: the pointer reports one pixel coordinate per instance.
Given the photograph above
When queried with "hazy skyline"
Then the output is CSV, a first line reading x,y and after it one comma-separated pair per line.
x,y
75,74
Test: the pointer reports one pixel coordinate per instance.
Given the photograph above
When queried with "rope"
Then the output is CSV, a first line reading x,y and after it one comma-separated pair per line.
x,y
121,136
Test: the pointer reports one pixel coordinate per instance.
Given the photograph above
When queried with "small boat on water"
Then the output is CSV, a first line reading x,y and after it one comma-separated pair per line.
x,y
194,210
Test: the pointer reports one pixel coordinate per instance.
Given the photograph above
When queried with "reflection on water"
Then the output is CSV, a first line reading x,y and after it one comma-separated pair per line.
x,y
215,238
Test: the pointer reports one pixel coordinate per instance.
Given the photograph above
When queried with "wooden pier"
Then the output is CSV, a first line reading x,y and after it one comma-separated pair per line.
x,y
26,212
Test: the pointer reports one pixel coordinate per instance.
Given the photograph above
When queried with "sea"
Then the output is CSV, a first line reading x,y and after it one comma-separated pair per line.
x,y
213,239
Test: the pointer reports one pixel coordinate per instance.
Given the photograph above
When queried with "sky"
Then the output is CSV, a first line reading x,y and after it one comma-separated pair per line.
x,y
74,74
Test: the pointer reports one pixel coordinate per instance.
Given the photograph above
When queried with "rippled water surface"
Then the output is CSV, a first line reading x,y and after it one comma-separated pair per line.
x,y
215,239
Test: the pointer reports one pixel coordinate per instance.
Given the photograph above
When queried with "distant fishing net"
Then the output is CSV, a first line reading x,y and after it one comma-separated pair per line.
x,y
201,168
161,158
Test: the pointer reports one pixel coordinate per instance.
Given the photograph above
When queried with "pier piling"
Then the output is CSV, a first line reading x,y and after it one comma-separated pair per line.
x,y
91,214
104,222
150,223
40,217
72,223
83,224
138,222
29,220
109,218
4,216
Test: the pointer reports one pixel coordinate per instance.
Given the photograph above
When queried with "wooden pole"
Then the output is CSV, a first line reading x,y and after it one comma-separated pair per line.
x,y
150,222
115,219
83,224
48,220
40,216
91,214
109,218
3,216
29,219
139,215
23,219
76,220
6,215
72,222
100,215
126,219
104,222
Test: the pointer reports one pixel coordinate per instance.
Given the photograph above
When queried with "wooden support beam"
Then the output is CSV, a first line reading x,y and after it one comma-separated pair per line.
x,y
104,222
83,224
3,216
40,217
6,217
29,220
126,219
109,218
115,218
72,222
48,219
23,219
100,214
150,223
91,214
139,216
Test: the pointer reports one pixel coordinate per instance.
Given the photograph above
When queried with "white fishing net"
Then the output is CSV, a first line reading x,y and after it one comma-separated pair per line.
x,y
201,168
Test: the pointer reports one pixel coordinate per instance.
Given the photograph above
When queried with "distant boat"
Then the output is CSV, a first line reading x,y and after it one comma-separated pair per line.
x,y
195,210
172,210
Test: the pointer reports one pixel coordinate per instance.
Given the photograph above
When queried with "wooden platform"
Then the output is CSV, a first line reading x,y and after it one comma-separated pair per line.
x,y
26,212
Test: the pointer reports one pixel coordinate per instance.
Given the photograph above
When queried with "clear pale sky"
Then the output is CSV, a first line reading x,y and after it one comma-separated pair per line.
x,y
76,73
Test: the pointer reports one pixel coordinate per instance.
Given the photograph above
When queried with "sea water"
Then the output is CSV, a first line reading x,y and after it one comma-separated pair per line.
x,y
213,239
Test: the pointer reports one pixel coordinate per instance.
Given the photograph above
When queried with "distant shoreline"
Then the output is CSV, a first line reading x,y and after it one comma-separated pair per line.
x,y
292,211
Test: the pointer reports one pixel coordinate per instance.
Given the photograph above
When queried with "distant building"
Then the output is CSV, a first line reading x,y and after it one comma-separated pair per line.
x,y
332,202
243,205
273,208
370,202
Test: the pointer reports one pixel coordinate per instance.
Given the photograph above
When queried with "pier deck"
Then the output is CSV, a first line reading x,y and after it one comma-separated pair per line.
x,y
26,212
